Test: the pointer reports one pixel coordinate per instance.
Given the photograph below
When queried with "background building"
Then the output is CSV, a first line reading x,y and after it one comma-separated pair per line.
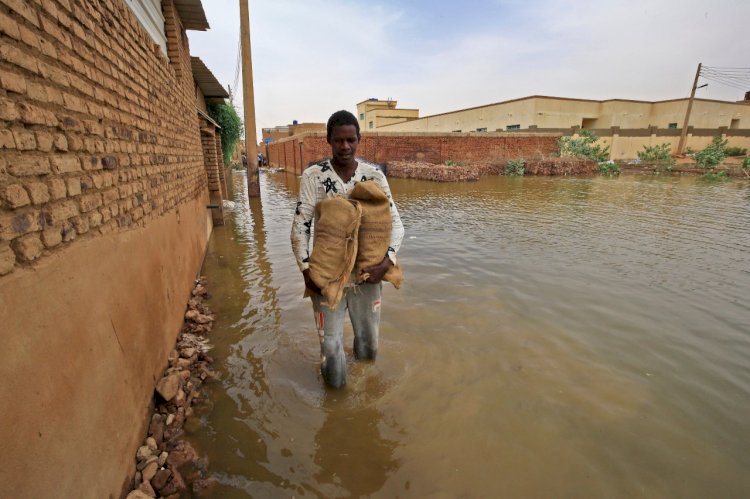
x,y
544,112
374,113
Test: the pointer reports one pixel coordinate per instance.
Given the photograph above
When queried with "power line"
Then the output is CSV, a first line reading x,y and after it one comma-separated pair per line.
x,y
735,77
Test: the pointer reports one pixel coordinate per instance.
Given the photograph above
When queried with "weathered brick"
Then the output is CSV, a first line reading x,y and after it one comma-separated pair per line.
x,y
16,224
86,183
38,192
7,259
24,139
95,219
57,188
29,165
61,142
28,248
8,110
35,115
29,37
68,232
51,237
74,186
66,164
15,196
9,27
16,56
36,91
88,202
13,82
59,212
22,7
43,141
6,139
109,162
80,224
110,196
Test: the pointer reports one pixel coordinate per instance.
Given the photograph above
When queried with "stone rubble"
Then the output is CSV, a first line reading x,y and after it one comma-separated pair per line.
x,y
166,463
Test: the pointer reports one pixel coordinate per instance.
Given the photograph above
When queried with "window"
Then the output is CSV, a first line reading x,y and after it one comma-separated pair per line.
x,y
148,13
513,127
369,125
481,129
362,116
734,124
458,131
673,125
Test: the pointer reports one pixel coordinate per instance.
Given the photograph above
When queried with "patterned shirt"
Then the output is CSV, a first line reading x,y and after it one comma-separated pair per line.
x,y
321,181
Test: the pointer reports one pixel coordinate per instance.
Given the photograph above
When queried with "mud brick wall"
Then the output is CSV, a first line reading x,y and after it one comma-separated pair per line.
x,y
424,147
103,227
98,130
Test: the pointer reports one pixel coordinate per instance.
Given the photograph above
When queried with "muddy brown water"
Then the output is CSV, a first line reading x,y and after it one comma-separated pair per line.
x,y
556,337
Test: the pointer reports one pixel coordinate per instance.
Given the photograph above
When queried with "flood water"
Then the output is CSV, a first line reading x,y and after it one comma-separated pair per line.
x,y
556,337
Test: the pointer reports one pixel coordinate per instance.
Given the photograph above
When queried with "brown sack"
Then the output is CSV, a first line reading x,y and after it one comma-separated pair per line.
x,y
374,230
334,246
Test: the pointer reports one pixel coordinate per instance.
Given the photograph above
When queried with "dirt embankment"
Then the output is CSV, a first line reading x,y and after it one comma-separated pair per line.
x,y
469,171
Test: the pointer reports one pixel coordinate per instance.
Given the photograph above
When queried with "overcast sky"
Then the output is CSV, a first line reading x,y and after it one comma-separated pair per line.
x,y
313,57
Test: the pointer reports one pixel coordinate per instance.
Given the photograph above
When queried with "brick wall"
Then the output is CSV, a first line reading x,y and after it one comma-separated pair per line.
x,y
103,227
427,147
97,132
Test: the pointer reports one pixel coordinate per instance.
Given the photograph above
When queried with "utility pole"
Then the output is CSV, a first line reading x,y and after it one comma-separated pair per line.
x,y
248,95
683,135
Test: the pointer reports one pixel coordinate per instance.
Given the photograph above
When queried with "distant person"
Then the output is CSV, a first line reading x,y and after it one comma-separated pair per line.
x,y
260,159
362,294
244,160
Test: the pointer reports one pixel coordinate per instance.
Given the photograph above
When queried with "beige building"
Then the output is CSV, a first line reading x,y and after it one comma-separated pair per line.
x,y
544,112
284,131
375,113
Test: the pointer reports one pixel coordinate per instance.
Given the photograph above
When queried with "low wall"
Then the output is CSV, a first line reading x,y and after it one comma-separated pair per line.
x,y
296,153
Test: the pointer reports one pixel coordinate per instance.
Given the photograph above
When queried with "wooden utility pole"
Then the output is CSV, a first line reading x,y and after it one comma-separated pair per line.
x,y
248,97
683,135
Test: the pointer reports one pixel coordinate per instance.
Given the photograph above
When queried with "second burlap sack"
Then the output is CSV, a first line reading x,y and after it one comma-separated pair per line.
x,y
374,230
335,246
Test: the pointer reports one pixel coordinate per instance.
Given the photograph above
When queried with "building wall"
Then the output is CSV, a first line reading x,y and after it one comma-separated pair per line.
x,y
103,227
296,153
551,112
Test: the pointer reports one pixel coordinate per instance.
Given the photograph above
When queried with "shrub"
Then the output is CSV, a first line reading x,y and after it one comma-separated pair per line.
x,y
715,176
515,167
450,162
584,146
746,163
736,151
660,155
713,154
231,128
609,168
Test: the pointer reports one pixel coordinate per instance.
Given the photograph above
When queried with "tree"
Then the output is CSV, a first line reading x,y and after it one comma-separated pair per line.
x,y
231,127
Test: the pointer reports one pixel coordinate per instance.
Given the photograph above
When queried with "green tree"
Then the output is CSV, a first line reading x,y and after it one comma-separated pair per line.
x,y
231,127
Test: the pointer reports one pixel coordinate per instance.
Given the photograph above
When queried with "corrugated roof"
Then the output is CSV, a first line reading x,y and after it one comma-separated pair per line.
x,y
192,14
206,80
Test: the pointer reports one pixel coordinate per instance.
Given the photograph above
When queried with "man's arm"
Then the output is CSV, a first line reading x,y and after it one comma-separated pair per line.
x,y
302,222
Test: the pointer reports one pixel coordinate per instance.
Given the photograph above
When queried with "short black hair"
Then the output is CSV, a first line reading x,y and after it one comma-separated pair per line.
x,y
340,118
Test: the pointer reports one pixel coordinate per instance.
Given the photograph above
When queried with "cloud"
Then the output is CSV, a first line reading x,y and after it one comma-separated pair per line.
x,y
313,57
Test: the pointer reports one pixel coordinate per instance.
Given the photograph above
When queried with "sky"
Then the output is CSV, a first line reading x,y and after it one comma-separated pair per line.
x,y
314,57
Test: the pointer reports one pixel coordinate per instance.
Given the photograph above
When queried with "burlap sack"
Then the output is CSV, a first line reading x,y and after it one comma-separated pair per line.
x,y
374,230
335,246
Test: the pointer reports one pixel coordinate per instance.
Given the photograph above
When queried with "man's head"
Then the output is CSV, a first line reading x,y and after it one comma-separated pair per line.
x,y
340,118
342,133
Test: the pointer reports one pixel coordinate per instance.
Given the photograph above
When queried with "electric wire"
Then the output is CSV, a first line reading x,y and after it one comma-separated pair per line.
x,y
735,77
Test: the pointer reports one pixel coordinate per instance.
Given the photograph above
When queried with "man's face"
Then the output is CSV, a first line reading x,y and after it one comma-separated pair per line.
x,y
344,141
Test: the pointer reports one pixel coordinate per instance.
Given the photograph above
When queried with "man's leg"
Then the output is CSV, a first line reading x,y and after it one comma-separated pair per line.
x,y
330,326
364,312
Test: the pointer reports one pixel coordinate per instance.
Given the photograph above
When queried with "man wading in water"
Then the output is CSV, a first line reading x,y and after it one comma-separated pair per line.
x,y
361,296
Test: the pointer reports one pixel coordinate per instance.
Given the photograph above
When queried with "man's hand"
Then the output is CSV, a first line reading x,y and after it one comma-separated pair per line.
x,y
375,273
309,284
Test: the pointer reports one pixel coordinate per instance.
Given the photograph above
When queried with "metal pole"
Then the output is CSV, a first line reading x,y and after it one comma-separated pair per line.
x,y
251,145
683,135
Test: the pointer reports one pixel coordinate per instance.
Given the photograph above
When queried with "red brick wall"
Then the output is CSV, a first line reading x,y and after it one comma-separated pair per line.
x,y
103,226
427,147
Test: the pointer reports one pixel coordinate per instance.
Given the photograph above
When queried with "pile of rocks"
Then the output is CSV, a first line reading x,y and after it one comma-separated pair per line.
x,y
431,171
166,462
561,166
